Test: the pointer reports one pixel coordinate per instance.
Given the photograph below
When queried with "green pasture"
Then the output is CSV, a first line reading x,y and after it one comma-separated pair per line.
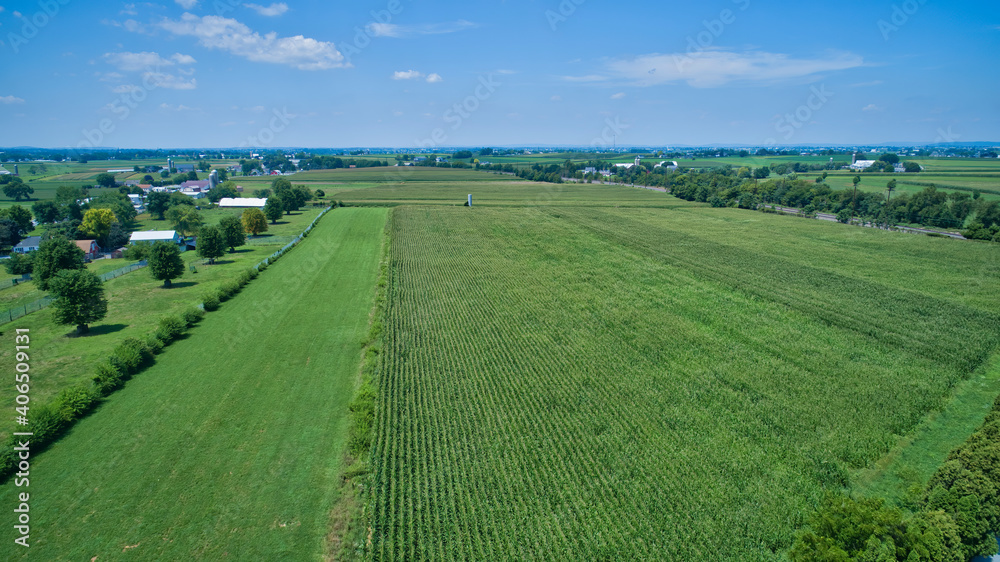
x,y
136,302
230,446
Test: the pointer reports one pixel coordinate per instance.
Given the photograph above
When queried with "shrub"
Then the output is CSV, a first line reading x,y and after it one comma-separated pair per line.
x,y
126,360
46,423
253,273
228,289
108,378
73,402
192,316
154,344
211,302
171,328
244,278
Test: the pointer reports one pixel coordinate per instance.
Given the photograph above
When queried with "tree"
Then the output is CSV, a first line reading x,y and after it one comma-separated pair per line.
x,y
890,158
17,189
186,220
97,223
158,202
891,186
118,236
232,231
53,256
165,261
19,216
224,189
912,167
192,176
274,208
105,179
46,212
19,264
79,298
254,221
211,243
119,204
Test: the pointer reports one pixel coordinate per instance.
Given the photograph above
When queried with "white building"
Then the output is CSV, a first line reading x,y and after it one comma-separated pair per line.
x,y
242,203
151,236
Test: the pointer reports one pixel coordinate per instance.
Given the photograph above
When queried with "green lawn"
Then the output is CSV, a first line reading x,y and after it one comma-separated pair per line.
x,y
230,446
136,302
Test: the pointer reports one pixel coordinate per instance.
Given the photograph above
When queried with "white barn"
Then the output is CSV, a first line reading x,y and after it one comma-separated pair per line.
x,y
242,202
151,236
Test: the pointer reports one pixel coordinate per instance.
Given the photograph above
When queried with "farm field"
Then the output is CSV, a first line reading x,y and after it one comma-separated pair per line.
x,y
675,383
210,454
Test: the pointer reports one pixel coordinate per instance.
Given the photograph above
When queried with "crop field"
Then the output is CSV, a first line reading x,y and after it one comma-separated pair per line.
x,y
681,383
393,174
212,454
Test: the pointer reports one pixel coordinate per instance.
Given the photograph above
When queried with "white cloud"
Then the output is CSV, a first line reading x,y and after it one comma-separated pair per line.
x,y
181,107
187,4
506,72
134,62
434,78
216,32
169,81
587,78
125,89
718,67
871,107
618,96
556,98
7,100
407,75
275,9
394,30
129,10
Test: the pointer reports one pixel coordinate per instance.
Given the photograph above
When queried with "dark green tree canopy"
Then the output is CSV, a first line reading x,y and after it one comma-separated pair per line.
x,y
55,255
79,298
211,243
165,262
232,231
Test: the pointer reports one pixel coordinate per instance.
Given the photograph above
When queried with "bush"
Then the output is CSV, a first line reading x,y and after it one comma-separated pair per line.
x,y
171,328
228,290
73,402
136,252
211,302
46,424
126,360
244,278
262,266
108,378
192,316
154,344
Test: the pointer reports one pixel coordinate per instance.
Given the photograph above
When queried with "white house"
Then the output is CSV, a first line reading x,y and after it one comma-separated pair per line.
x,y
242,202
29,244
193,194
151,236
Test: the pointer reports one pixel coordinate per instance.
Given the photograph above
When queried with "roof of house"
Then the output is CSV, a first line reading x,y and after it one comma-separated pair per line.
x,y
242,202
149,235
84,245
192,184
29,242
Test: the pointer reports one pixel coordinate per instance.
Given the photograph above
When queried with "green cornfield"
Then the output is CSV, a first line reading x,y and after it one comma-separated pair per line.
x,y
576,382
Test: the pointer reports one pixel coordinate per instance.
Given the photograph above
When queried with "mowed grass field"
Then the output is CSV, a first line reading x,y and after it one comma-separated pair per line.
x,y
136,303
230,446
678,383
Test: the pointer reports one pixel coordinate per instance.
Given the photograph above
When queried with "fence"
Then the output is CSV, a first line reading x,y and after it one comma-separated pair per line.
x,y
14,282
296,240
19,311
123,270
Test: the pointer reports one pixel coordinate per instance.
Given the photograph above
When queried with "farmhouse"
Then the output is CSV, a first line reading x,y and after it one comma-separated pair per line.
x,y
199,185
859,165
29,244
89,247
242,202
151,236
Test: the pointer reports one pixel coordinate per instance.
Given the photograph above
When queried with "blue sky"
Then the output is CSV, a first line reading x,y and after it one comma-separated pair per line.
x,y
403,73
